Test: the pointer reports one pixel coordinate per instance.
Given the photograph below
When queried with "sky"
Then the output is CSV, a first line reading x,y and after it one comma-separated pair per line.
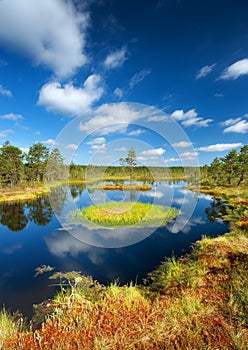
x,y
96,77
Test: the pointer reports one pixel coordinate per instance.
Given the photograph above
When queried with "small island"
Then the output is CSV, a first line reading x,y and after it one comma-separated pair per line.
x,y
119,214
122,187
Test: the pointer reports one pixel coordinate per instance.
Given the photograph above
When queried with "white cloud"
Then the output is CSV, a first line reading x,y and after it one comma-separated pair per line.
x,y
158,118
97,141
230,121
182,144
171,160
219,147
190,118
111,118
138,77
71,100
240,127
5,133
97,144
219,94
180,115
235,70
5,92
189,155
24,149
121,149
72,146
52,33
11,116
136,132
141,158
153,152
204,71
49,142
154,194
116,59
118,92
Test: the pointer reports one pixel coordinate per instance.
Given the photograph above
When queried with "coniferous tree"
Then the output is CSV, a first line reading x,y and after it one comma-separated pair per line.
x,y
130,161
242,164
56,170
36,161
11,164
216,168
230,165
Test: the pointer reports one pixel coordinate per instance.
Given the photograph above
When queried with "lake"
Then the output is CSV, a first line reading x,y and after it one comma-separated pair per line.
x,y
31,235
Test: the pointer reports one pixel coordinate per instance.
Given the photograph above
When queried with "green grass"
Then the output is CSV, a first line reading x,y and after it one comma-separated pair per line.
x,y
117,214
22,192
9,326
196,302
122,187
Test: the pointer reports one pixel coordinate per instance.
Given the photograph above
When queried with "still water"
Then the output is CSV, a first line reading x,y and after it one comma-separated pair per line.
x,y
31,236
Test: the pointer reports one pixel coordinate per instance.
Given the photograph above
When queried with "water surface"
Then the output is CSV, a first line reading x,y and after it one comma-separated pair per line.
x,y
31,236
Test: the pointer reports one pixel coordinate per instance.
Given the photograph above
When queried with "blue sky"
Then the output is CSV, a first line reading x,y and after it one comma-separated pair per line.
x,y
95,60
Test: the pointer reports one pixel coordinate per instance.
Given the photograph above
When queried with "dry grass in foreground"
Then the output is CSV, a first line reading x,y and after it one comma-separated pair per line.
x,y
198,302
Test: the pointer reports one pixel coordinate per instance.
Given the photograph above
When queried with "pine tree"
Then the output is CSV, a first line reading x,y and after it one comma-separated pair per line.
x,y
130,161
11,164
36,161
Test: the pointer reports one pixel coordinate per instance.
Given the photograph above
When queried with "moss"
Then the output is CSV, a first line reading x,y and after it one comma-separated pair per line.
x,y
122,187
117,214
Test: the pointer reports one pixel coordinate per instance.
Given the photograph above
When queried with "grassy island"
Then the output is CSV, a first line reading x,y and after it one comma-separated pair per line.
x,y
122,187
117,214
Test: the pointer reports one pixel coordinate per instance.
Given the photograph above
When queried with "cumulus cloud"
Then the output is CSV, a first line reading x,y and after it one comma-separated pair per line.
x,y
51,32
190,118
158,118
171,160
116,58
136,132
191,155
182,144
24,149
138,77
5,92
71,100
235,70
49,142
72,146
219,147
121,149
241,127
204,71
5,133
97,144
153,152
118,92
230,121
111,118
11,116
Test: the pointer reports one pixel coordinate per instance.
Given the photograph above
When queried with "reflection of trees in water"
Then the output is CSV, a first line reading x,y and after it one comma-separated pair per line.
x,y
40,211
77,190
216,210
16,215
13,216
57,198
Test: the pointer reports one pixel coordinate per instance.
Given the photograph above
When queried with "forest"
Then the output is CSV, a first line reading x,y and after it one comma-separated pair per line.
x,y
40,164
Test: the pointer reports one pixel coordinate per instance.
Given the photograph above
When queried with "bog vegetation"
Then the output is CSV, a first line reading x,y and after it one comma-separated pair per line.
x,y
117,214
197,302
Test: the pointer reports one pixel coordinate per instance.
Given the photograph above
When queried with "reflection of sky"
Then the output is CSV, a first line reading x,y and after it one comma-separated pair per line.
x,y
163,193
21,252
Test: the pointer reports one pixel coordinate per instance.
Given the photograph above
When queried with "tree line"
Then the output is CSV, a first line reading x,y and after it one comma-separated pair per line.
x,y
39,164
230,170
17,167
